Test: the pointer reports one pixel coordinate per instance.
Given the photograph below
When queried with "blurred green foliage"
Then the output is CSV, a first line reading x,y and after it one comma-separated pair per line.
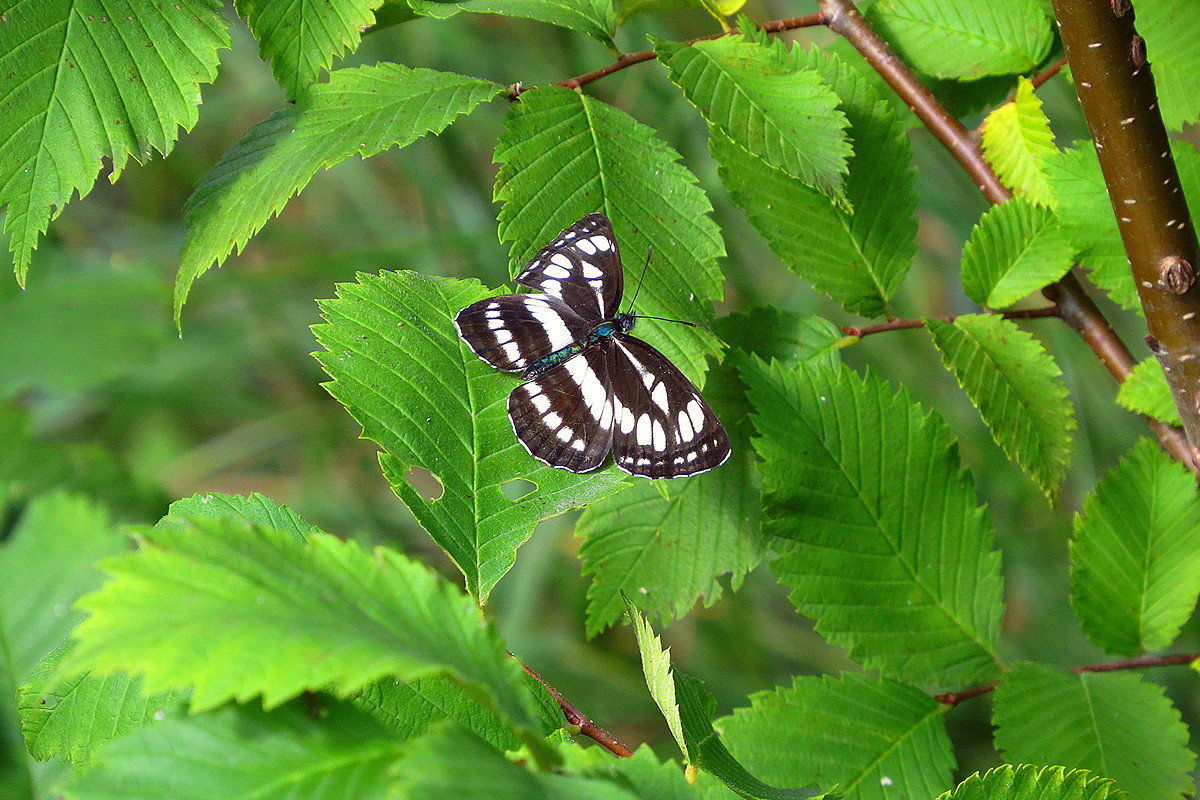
x,y
99,395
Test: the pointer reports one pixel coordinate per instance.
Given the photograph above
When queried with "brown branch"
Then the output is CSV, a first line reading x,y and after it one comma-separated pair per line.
x,y
1048,73
577,718
1076,306
1116,90
906,324
629,59
1175,659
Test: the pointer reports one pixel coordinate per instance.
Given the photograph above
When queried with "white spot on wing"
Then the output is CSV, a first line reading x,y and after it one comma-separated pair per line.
x,y
585,246
556,272
659,396
660,436
626,419
643,430
591,271
503,336
687,431
601,243
696,412
541,403
561,260
495,323
553,419
564,434
578,445
594,394
513,351
556,330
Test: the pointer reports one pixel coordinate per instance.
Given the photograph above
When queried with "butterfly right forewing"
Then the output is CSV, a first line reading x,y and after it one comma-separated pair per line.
x,y
582,267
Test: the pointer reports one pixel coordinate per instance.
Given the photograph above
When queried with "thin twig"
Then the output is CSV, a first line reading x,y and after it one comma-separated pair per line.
x,y
1048,73
629,59
905,324
585,724
1175,659
1077,308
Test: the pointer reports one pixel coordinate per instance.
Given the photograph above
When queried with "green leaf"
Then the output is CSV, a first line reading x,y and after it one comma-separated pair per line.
x,y
1016,137
1017,388
889,552
1114,724
651,779
857,255
243,753
1027,782
596,18
967,39
400,368
286,616
564,155
1082,206
45,565
449,762
1135,558
656,664
762,99
772,332
689,709
860,734
1169,27
1145,391
301,39
407,710
361,111
1016,249
253,508
87,80
665,544
72,717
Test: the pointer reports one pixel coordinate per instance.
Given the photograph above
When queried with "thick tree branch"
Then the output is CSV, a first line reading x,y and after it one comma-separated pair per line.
x,y
577,718
1141,662
1116,90
1077,308
905,324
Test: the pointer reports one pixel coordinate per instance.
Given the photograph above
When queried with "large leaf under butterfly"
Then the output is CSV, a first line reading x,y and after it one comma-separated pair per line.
x,y
591,387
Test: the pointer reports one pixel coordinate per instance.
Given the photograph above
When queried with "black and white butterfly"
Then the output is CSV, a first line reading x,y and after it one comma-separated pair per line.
x,y
590,386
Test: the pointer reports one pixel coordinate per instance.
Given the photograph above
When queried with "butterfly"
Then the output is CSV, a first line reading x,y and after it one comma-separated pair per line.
x,y
590,387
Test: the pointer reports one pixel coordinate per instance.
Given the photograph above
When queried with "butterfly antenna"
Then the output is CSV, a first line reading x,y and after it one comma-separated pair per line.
x,y
641,278
664,319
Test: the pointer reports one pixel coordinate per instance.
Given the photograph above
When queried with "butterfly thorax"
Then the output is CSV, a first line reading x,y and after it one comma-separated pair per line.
x,y
621,323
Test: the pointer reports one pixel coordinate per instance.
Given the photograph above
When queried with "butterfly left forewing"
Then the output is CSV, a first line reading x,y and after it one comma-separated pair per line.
x,y
512,331
581,267
662,426
564,417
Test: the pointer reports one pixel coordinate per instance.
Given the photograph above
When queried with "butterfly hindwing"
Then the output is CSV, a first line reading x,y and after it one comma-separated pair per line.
x,y
565,416
663,428
582,267
512,331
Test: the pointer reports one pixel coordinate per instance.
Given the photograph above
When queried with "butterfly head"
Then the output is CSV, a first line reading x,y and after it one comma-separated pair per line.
x,y
625,322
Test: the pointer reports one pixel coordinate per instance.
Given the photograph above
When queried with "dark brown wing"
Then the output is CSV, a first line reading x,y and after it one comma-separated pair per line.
x,y
662,428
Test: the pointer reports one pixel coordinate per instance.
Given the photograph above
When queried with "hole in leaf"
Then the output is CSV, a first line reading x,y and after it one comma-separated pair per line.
x,y
425,483
517,488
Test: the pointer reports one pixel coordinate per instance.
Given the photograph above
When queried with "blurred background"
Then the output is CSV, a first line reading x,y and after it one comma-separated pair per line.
x,y
98,394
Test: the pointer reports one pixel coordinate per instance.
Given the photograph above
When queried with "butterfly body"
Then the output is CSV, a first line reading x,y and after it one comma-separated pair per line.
x,y
622,323
590,387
